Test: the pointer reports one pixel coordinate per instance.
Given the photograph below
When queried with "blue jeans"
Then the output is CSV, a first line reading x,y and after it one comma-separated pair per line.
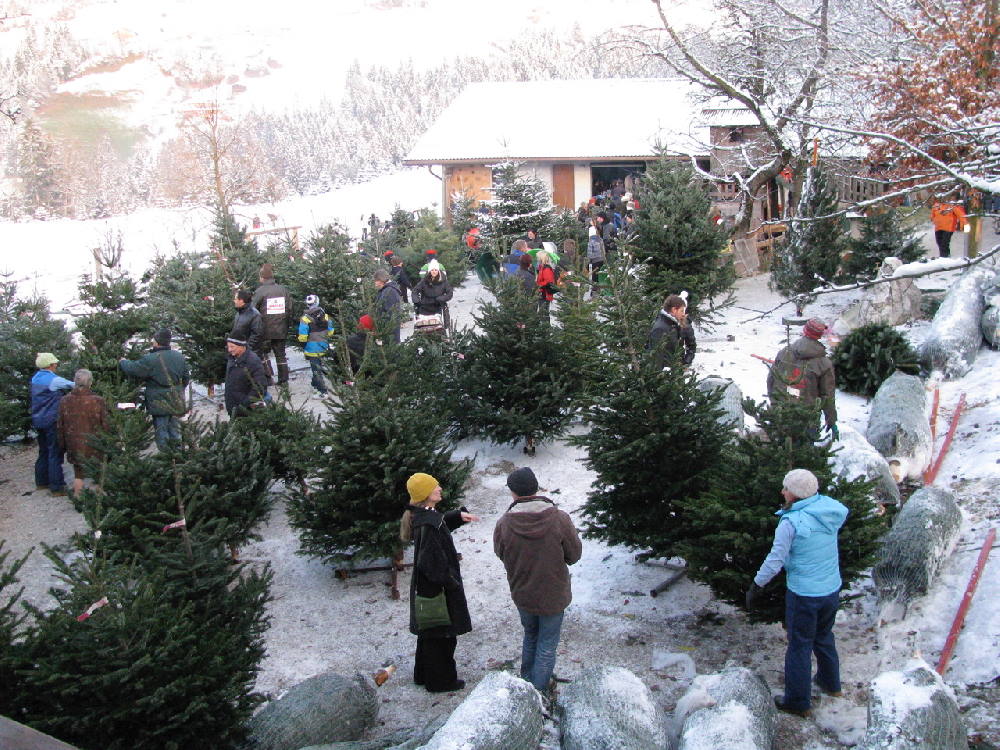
x,y
49,464
809,622
316,363
166,429
538,649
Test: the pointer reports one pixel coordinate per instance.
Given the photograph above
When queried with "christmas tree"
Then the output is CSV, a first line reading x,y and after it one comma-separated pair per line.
x,y
732,521
388,428
26,328
515,383
882,236
654,436
578,339
10,625
679,243
816,241
430,233
870,354
520,203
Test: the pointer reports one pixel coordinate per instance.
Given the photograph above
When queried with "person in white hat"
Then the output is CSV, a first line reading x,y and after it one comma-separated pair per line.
x,y
47,390
805,545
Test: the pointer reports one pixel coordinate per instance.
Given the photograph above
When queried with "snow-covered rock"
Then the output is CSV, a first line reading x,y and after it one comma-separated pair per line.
x,y
730,709
922,536
955,335
990,321
913,710
730,400
898,427
609,707
503,712
329,707
856,457
890,303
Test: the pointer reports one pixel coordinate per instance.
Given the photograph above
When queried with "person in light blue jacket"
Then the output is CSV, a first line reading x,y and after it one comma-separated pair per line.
x,y
47,390
805,545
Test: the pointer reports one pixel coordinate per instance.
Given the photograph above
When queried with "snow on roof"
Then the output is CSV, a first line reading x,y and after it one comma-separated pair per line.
x,y
565,120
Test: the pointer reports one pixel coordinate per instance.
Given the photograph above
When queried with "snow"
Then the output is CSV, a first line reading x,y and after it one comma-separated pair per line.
x,y
732,728
899,696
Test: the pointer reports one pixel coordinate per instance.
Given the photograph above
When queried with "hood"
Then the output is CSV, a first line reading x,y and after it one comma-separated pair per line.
x,y
425,516
827,512
531,520
806,348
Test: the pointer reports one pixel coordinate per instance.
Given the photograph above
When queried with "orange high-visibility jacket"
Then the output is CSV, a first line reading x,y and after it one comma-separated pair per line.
x,y
949,217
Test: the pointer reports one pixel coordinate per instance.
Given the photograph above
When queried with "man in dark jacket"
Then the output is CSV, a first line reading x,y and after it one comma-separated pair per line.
x,y
802,371
247,323
47,390
672,335
274,303
246,380
536,542
387,303
357,342
400,276
164,373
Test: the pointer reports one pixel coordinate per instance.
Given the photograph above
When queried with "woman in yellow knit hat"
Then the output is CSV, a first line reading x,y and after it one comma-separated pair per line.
x,y
438,611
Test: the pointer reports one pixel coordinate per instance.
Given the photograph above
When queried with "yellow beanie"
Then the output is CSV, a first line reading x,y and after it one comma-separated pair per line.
x,y
420,486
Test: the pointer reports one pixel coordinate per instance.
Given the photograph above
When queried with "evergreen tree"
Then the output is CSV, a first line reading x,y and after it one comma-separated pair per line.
x,y
463,212
882,236
678,241
10,625
26,328
816,241
389,427
868,355
732,521
519,203
654,435
578,338
430,233
515,385
35,163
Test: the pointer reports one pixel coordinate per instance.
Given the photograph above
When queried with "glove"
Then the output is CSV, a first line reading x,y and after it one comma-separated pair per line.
x,y
751,595
834,432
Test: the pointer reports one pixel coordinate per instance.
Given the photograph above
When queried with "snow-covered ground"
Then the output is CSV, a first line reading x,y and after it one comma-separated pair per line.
x,y
323,622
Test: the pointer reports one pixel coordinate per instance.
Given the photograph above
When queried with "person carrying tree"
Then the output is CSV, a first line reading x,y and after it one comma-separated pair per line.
x,y
47,390
274,303
805,545
82,415
536,542
315,329
803,371
246,379
164,374
438,610
672,335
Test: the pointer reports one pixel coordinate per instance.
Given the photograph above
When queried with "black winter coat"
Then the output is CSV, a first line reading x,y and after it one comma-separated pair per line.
x,y
435,567
275,306
403,281
248,326
429,297
666,337
246,381
387,312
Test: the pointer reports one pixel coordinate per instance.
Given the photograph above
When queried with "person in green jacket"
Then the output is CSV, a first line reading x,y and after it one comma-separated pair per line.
x,y
165,374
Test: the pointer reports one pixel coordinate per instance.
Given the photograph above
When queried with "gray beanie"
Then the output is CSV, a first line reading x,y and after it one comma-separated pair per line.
x,y
801,483
522,482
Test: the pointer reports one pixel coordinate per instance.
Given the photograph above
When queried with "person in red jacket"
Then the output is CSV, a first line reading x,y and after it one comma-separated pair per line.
x,y
948,218
545,280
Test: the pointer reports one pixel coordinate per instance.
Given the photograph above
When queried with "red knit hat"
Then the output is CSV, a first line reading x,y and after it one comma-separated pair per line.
x,y
814,328
432,251
387,253
366,322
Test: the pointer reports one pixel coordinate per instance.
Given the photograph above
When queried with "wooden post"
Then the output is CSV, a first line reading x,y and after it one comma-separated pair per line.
x,y
974,237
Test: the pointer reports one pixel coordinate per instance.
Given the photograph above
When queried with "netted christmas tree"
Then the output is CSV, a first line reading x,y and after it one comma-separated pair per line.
x,y
870,354
654,435
389,426
731,522
679,243
26,328
514,383
816,241
144,651
882,235
520,202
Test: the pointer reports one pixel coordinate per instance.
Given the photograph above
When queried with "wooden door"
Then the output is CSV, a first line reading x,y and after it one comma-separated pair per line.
x,y
562,186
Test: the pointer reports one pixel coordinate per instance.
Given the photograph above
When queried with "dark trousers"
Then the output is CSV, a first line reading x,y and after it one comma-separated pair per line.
x,y
943,240
809,622
166,428
434,663
49,464
278,347
595,269
316,363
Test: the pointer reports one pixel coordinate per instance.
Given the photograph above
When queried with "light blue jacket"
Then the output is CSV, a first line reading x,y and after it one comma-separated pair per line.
x,y
805,544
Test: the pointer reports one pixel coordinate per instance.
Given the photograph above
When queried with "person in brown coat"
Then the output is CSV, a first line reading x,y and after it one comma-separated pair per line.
x,y
82,414
536,542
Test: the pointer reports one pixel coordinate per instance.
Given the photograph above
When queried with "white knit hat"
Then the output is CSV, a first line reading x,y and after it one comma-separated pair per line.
x,y
312,300
801,483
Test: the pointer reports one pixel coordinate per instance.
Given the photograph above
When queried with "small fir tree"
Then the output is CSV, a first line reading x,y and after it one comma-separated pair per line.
x,y
680,245
882,235
654,436
816,241
26,328
870,354
515,384
520,203
430,233
732,521
578,338
11,621
389,427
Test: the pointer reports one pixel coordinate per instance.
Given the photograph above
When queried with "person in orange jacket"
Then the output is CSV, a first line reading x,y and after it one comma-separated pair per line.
x,y
948,218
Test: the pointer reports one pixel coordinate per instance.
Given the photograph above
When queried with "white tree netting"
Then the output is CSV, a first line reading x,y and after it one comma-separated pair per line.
x,y
955,335
730,709
731,400
856,457
898,427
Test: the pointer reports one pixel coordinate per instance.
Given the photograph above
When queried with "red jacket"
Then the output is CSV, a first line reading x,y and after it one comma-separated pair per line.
x,y
546,276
